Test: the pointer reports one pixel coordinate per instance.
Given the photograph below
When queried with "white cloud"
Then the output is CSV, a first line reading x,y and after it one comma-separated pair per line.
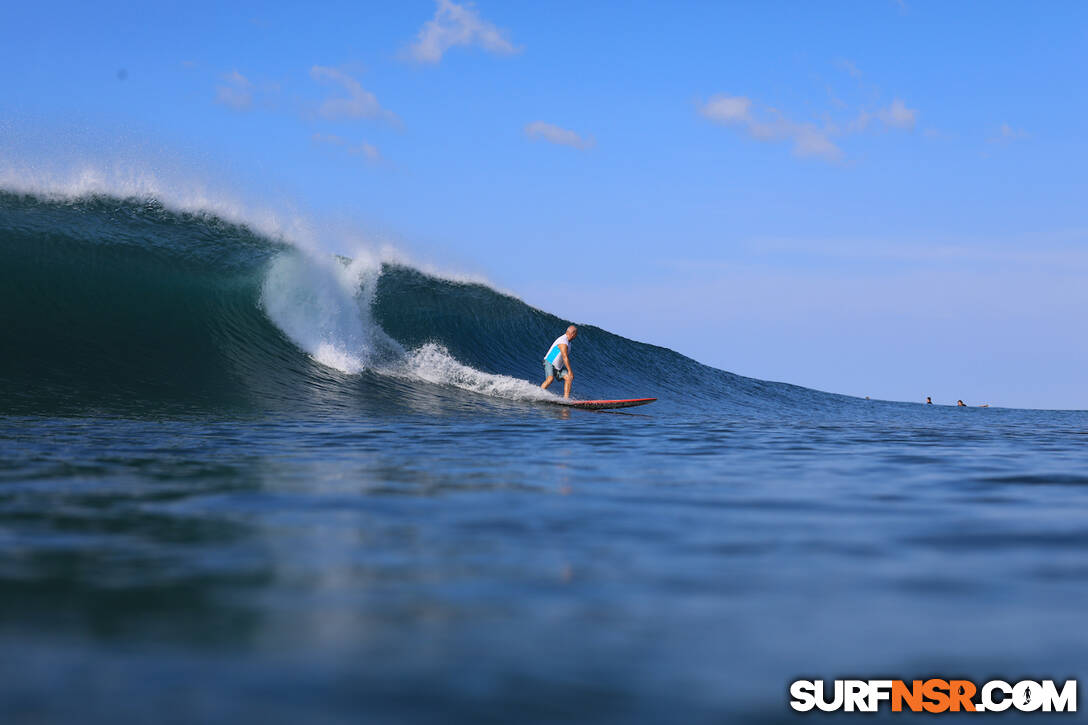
x,y
359,103
1008,134
555,134
849,67
454,25
808,138
235,92
367,151
243,94
728,109
370,152
810,141
897,115
769,124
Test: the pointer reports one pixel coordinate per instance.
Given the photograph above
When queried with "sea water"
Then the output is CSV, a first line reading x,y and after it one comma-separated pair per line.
x,y
244,482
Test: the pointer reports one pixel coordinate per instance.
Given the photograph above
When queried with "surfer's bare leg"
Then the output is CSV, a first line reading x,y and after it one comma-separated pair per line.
x,y
567,380
547,381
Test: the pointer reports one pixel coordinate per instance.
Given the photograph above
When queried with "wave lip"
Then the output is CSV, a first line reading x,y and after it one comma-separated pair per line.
x,y
323,306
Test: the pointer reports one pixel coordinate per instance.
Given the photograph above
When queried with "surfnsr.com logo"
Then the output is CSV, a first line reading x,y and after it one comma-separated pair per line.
x,y
933,695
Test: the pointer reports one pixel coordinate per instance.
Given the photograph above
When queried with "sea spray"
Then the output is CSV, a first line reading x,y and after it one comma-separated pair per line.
x,y
322,304
432,363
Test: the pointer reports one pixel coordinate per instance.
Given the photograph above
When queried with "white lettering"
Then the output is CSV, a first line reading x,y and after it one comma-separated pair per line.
x,y
988,699
1027,696
803,693
1064,701
855,695
879,690
821,701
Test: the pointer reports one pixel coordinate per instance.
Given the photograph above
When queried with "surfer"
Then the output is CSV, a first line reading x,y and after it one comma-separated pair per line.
x,y
961,404
557,359
929,400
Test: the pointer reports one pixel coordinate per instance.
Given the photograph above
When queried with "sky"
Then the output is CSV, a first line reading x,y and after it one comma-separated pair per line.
x,y
873,198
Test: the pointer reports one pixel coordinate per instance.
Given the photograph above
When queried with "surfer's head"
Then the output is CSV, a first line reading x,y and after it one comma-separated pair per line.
x,y
572,332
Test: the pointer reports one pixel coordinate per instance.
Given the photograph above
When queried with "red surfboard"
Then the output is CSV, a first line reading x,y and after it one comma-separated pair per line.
x,y
605,404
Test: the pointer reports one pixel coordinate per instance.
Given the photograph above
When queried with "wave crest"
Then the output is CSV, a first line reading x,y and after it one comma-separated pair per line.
x,y
111,300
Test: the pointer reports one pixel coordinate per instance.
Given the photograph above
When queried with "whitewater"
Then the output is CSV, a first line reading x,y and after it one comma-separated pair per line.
x,y
245,477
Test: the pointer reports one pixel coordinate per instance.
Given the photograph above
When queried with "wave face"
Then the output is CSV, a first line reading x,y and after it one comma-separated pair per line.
x,y
111,303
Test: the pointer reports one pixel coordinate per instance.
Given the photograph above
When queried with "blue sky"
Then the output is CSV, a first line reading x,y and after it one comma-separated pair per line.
x,y
879,198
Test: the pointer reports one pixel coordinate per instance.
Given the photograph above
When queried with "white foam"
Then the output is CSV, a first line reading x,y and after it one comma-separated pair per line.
x,y
182,194
434,364
323,305
82,181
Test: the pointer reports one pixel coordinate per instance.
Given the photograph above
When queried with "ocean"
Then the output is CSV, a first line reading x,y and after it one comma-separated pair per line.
x,y
241,480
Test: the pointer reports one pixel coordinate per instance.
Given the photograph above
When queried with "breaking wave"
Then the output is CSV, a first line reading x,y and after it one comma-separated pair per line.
x,y
112,302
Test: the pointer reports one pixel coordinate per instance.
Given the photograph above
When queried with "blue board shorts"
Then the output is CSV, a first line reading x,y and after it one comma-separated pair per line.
x,y
550,371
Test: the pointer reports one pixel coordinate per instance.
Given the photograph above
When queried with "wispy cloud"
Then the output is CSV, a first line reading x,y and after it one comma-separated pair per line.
x,y
236,92
454,25
728,109
1008,134
769,124
848,66
359,102
895,115
367,151
244,94
808,138
557,135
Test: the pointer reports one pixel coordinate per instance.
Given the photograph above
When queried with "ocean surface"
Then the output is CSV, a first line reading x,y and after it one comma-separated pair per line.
x,y
243,481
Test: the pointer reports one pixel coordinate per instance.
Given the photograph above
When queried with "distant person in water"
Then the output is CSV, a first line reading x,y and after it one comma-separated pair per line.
x,y
557,361
961,404
929,400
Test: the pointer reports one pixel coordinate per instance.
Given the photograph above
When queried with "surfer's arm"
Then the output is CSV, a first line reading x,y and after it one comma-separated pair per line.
x,y
566,361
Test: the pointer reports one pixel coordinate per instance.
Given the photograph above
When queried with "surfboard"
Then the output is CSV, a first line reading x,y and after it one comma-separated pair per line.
x,y
605,404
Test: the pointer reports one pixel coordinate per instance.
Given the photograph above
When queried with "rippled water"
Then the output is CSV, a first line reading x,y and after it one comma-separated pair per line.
x,y
467,560
243,482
